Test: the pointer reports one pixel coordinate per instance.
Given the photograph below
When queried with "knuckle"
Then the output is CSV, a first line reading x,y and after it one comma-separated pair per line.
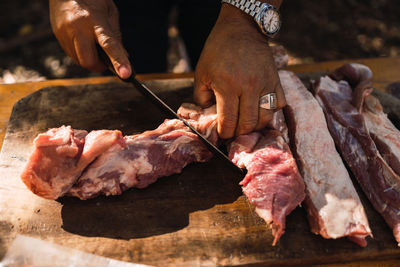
x,y
227,125
228,122
225,134
105,40
248,125
76,20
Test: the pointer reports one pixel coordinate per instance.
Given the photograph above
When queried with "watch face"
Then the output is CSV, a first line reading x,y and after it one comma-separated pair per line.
x,y
271,21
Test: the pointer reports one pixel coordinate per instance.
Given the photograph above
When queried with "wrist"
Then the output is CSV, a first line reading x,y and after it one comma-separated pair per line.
x,y
265,15
231,12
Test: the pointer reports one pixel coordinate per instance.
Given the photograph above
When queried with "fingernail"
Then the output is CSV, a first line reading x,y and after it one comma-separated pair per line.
x,y
124,71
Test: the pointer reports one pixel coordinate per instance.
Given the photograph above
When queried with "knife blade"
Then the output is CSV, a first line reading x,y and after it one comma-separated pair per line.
x,y
152,96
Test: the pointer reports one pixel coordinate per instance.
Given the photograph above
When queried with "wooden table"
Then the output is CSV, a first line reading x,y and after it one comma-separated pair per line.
x,y
386,71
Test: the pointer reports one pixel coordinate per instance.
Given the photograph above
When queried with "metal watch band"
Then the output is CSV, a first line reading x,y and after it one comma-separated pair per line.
x,y
251,7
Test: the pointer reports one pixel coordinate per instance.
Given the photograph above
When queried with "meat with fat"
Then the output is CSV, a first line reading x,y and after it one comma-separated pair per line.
x,y
348,127
272,183
140,160
333,206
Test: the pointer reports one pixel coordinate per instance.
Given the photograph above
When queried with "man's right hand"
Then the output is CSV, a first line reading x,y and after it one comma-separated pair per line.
x,y
80,24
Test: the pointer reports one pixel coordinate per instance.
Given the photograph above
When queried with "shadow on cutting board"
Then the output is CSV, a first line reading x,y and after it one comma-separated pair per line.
x,y
161,208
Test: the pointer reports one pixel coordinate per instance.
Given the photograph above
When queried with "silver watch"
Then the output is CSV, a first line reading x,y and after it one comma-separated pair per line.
x,y
266,15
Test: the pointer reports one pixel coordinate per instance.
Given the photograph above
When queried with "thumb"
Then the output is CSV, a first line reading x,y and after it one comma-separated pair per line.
x,y
111,43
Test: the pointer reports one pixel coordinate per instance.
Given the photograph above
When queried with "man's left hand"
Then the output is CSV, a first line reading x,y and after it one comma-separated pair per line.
x,y
235,69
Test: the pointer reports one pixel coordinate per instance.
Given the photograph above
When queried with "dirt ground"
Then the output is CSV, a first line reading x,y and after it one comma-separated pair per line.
x,y
312,31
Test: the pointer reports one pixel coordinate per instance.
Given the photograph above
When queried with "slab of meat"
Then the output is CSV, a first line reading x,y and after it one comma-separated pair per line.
x,y
73,162
272,183
348,128
384,134
333,206
141,160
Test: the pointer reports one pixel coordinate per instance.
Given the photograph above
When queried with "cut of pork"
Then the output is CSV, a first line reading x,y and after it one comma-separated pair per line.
x,y
272,183
348,128
141,160
333,206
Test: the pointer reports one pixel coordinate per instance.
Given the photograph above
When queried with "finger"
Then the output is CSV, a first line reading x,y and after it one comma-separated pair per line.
x,y
68,46
86,53
112,45
114,22
280,95
227,110
202,95
264,117
248,112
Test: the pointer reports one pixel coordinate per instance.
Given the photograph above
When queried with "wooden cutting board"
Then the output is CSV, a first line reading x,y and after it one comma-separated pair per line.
x,y
198,217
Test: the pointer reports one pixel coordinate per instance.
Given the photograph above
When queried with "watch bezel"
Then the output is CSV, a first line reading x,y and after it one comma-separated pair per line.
x,y
259,18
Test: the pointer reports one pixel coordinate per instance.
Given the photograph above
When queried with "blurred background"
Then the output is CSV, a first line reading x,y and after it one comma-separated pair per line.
x,y
312,31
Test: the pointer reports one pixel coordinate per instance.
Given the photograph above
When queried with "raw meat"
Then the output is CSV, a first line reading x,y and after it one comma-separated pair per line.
x,y
348,128
278,123
113,165
333,206
272,183
280,55
391,106
68,161
140,160
59,157
385,135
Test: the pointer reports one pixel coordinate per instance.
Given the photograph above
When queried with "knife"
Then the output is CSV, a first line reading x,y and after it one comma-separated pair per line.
x,y
152,96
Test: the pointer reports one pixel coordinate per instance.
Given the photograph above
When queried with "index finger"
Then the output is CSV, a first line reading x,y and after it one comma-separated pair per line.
x,y
111,44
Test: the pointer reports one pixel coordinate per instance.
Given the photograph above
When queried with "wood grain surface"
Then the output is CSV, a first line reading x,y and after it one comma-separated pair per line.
x,y
198,217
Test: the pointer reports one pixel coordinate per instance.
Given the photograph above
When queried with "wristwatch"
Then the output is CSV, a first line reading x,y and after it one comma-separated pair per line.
x,y
266,16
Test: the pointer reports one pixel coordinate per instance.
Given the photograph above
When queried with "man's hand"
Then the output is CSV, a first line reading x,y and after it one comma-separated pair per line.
x,y
237,68
80,24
